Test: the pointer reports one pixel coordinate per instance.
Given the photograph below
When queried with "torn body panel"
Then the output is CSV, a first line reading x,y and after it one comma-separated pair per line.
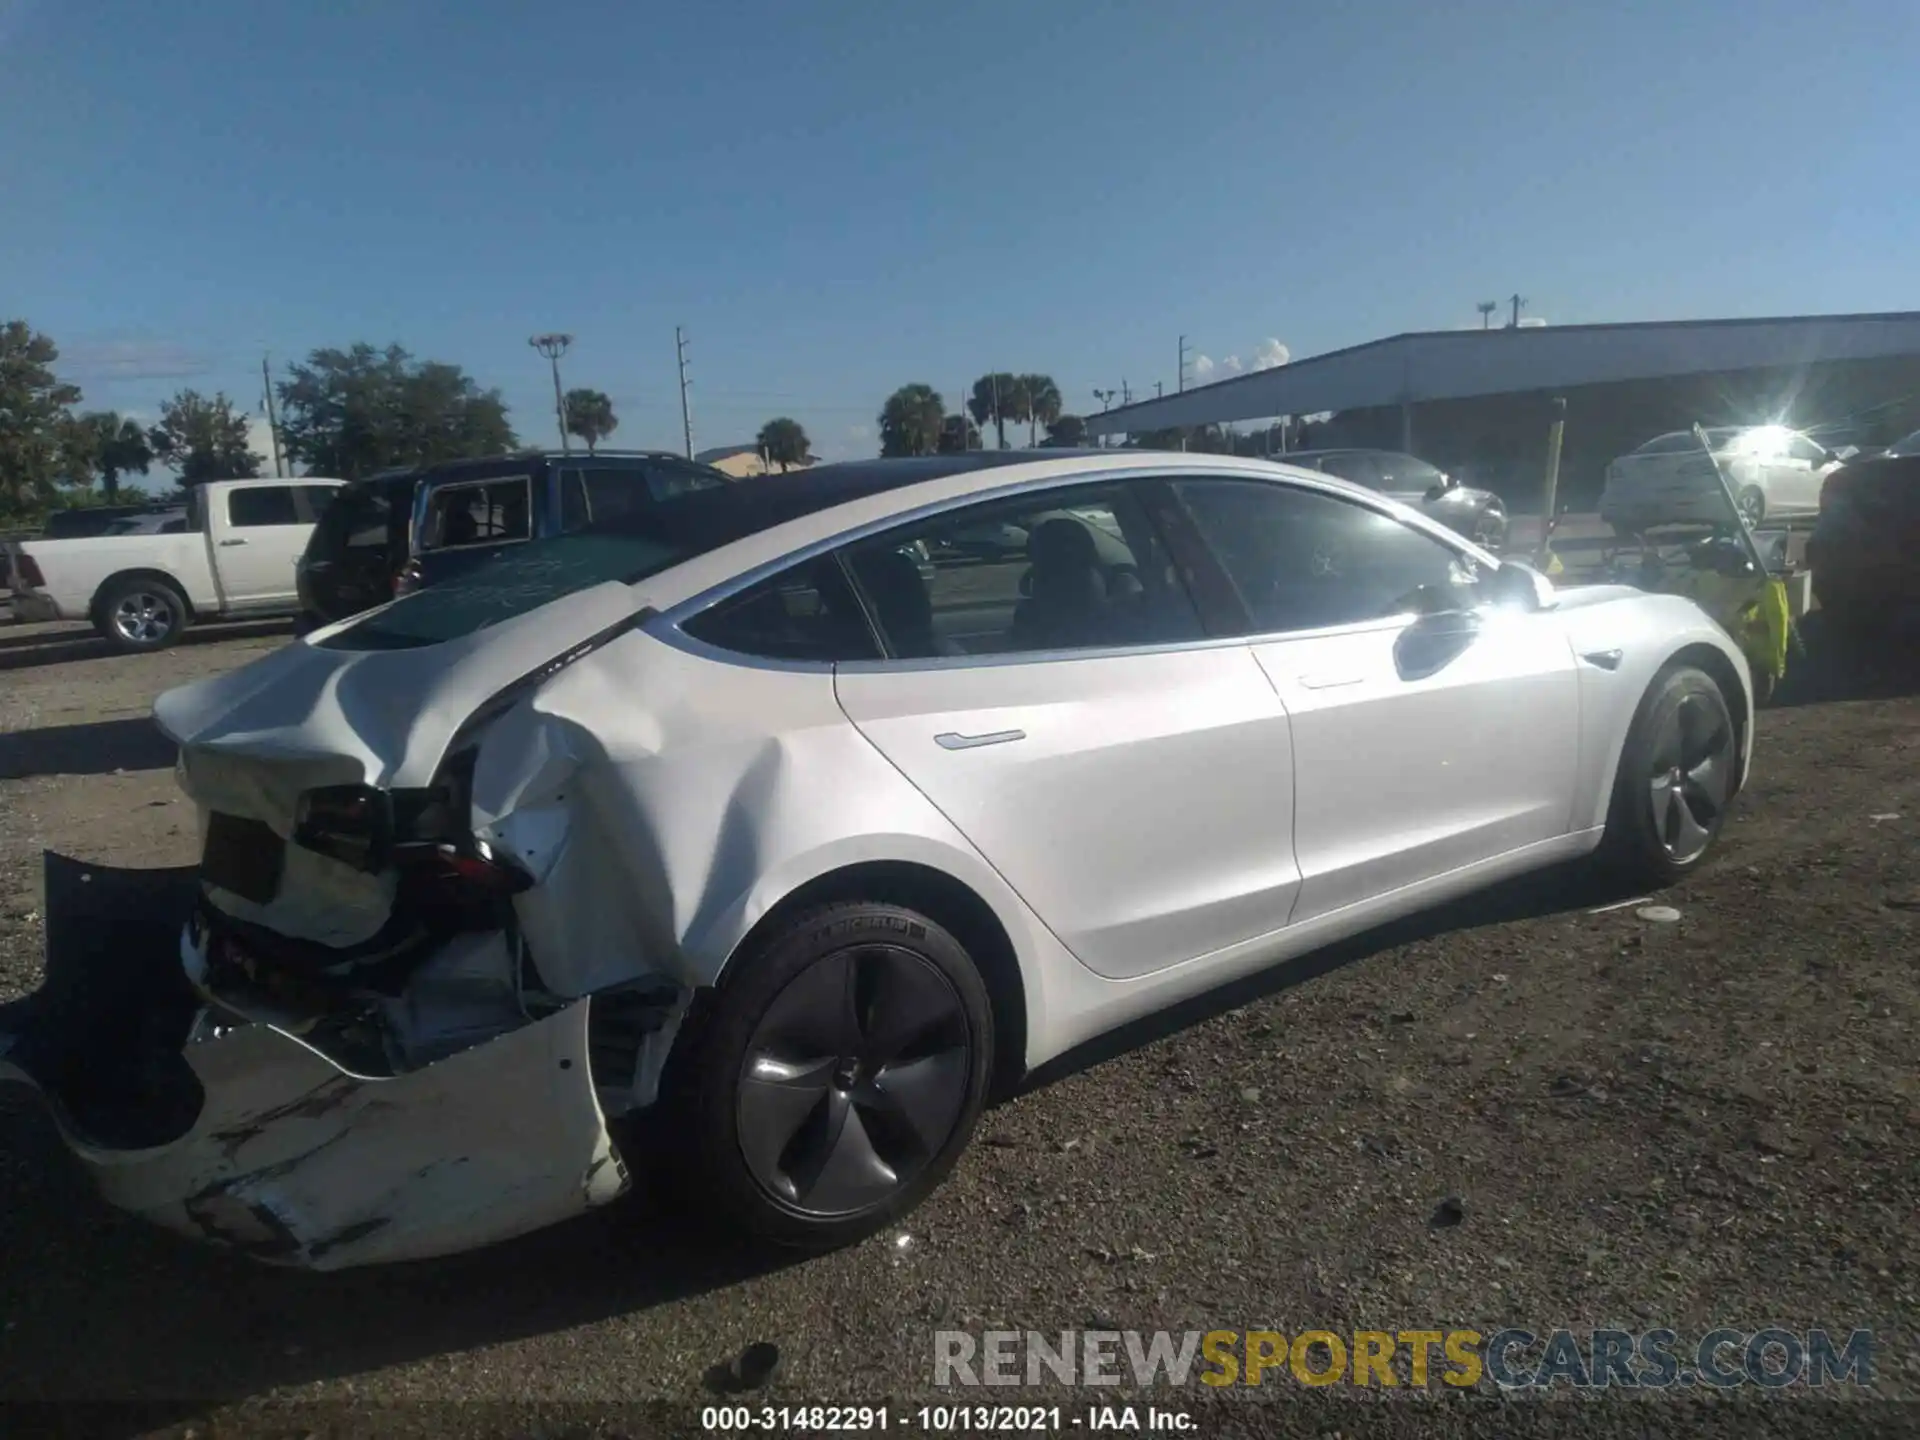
x,y
238,1132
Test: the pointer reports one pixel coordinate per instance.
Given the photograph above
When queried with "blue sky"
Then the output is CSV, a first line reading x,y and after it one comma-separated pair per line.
x,y
835,198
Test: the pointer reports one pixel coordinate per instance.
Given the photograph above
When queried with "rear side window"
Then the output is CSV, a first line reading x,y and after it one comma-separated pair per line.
x,y
622,492
806,613
261,505
480,512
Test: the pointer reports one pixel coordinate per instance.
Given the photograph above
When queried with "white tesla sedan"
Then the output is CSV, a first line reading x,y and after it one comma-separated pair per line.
x,y
793,817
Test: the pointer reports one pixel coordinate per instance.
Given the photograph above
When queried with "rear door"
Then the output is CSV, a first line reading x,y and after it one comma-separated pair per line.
x,y
258,537
1429,731
1059,702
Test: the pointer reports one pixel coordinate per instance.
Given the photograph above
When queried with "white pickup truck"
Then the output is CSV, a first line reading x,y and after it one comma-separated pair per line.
x,y
235,557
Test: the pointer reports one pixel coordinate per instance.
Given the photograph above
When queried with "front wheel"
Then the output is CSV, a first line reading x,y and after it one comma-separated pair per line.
x,y
839,1074
1752,504
1677,774
141,614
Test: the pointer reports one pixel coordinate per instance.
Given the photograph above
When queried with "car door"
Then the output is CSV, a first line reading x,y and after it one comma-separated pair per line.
x,y
1802,469
1060,703
256,550
1430,731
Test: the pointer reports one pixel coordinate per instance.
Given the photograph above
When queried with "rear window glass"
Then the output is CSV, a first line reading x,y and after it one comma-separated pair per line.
x,y
360,516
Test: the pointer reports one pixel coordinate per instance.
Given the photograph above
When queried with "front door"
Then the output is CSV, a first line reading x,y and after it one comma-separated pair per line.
x,y
1430,731
1056,700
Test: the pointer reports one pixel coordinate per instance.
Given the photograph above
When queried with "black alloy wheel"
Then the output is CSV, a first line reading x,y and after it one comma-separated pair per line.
x,y
840,1073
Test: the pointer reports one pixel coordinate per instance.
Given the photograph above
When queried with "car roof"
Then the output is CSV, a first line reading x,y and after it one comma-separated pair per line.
x,y
829,503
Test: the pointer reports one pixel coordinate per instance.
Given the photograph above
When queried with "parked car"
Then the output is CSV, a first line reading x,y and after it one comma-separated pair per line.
x,y
717,807
466,512
1480,515
1774,473
1865,548
233,555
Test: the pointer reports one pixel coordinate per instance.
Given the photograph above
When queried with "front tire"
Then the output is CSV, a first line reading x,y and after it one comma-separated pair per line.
x,y
1752,504
138,615
839,1074
1676,779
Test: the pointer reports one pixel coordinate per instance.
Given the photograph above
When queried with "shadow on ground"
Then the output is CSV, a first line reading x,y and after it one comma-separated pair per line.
x,y
97,748
57,647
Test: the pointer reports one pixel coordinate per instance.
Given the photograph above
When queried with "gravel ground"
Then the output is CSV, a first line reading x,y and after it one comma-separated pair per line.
x,y
1714,1121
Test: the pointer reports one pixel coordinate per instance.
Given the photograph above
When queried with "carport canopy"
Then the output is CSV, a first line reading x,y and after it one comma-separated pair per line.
x,y
1408,370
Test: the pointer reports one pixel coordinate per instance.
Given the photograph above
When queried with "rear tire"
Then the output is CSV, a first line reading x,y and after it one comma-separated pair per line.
x,y
1675,781
138,615
1752,503
838,1075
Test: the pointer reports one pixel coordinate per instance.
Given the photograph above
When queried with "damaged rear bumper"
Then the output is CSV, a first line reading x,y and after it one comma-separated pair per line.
x,y
243,1134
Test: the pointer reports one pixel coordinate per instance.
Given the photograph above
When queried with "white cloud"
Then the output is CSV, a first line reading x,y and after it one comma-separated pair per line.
x,y
1269,353
1231,365
1201,366
1533,322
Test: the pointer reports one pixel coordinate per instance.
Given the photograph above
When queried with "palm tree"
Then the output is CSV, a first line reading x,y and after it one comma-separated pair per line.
x,y
910,421
1040,398
590,416
996,397
783,442
112,445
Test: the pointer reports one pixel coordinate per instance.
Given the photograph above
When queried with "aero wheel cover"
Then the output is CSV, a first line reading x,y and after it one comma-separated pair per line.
x,y
854,1080
1692,776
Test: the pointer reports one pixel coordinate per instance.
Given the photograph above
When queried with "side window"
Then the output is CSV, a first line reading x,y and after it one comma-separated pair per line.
x,y
1801,448
314,499
666,479
806,613
608,492
261,505
1412,474
478,512
1357,468
1060,570
1301,561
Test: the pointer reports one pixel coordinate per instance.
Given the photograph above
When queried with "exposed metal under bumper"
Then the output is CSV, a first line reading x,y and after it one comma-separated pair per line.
x,y
290,1157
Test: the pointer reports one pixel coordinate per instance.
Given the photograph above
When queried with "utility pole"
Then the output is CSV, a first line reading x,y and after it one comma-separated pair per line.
x,y
1519,302
1183,362
273,425
1126,392
1159,389
686,418
553,346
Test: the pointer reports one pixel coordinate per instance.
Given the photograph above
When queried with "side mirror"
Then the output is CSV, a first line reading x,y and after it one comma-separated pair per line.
x,y
1518,586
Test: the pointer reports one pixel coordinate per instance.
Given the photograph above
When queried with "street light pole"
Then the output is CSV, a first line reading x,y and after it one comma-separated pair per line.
x,y
553,346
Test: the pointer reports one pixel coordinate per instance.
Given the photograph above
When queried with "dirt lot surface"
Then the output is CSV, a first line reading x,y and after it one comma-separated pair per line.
x,y
1515,1111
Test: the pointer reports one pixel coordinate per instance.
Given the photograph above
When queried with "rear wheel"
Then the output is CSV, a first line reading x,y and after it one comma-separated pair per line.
x,y
1752,504
839,1074
1676,779
141,614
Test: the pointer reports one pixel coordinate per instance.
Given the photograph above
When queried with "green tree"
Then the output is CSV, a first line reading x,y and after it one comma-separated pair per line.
x,y
34,430
783,442
347,413
1039,401
996,397
203,439
590,416
910,421
958,433
113,446
1066,432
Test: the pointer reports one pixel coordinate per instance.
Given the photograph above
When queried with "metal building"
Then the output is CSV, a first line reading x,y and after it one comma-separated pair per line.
x,y
1478,402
